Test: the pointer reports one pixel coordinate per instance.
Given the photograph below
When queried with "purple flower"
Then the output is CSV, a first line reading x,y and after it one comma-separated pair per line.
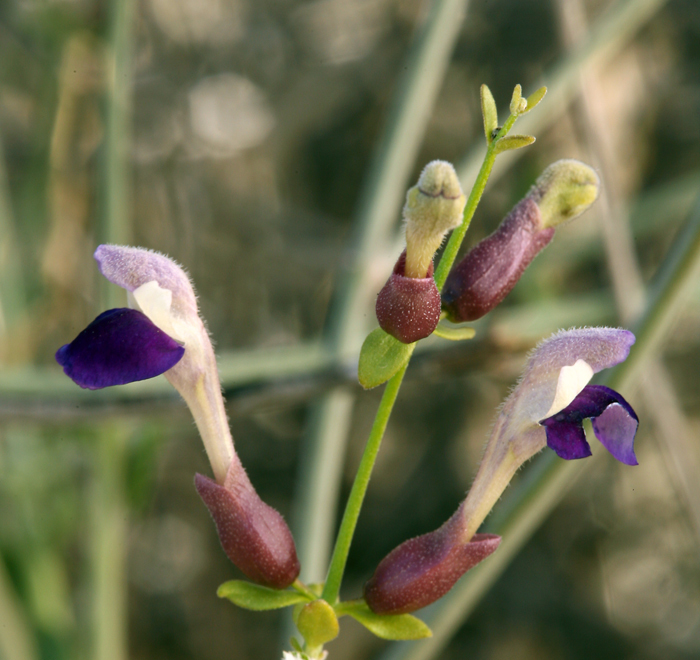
x,y
546,408
612,418
164,334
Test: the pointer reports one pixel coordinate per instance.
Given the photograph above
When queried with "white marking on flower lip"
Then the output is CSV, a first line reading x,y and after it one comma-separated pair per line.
x,y
155,302
572,380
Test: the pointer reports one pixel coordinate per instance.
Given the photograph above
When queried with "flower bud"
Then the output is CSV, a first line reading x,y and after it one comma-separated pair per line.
x,y
564,190
493,267
253,535
425,568
408,308
433,207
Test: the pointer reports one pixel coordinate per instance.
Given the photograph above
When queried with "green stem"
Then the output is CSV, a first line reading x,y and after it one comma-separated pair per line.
x,y
455,242
109,539
299,586
359,488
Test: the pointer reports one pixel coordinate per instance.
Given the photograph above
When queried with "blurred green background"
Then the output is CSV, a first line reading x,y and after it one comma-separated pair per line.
x,y
266,145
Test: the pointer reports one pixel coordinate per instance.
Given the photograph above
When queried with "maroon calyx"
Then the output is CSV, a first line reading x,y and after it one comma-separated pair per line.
x,y
493,267
253,535
408,308
425,568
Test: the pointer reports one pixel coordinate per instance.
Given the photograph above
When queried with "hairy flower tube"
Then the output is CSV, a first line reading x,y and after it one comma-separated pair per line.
x,y
408,306
490,270
546,408
162,333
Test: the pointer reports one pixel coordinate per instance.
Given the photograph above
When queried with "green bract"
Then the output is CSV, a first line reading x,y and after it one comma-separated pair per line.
x,y
380,358
255,597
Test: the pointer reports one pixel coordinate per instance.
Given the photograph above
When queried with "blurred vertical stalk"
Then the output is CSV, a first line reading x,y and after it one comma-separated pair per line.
x,y
378,213
674,434
16,640
12,292
528,504
109,544
117,189
110,512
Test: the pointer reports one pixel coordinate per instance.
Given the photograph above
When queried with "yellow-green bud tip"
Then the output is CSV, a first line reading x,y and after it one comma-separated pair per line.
x,y
433,207
565,190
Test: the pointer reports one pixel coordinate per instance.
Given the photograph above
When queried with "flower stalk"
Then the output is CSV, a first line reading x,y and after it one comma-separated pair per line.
x,y
331,589
352,509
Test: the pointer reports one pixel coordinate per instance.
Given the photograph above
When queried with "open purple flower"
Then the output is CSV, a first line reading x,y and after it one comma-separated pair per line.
x,y
162,333
546,408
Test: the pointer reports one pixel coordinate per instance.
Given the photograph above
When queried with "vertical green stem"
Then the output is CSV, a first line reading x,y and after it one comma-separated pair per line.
x,y
109,516
117,189
359,488
12,289
109,527
455,242
393,160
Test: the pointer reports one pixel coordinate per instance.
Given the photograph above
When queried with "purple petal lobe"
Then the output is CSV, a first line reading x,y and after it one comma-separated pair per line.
x,y
613,419
425,568
120,346
567,439
616,429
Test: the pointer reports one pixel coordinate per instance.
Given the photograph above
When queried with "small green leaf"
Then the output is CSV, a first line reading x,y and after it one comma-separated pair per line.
x,y
534,99
489,112
454,333
387,626
318,623
513,142
381,357
255,597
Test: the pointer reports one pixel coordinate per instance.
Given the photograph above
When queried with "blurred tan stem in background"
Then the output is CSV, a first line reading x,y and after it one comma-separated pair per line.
x,y
77,133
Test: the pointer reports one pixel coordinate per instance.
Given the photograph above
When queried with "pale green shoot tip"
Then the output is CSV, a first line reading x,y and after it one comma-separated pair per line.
x,y
489,112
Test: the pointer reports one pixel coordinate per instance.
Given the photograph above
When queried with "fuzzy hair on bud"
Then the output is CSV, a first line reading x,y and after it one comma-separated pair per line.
x,y
253,535
493,267
433,207
425,568
408,308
